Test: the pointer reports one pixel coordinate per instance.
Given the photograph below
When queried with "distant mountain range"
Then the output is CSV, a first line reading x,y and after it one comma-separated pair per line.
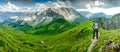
x,y
52,21
94,15
40,17
35,18
6,15
43,18
86,14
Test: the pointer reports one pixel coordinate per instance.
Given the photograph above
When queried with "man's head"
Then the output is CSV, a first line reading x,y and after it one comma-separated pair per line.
x,y
96,24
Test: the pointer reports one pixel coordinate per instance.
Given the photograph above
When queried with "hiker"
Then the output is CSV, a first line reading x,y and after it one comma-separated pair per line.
x,y
95,27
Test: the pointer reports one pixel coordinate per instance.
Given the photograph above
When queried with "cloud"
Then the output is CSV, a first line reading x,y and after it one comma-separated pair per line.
x,y
64,3
108,11
11,6
44,6
24,1
109,7
40,6
106,6
52,4
93,3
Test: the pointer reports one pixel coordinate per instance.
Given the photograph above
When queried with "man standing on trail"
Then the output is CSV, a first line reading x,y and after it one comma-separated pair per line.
x,y
95,27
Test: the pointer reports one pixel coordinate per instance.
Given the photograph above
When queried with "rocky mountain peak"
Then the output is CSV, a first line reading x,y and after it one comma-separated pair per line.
x,y
68,13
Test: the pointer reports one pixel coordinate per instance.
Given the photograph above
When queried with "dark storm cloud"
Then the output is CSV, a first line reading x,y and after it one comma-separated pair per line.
x,y
82,3
17,2
34,1
24,2
112,3
77,3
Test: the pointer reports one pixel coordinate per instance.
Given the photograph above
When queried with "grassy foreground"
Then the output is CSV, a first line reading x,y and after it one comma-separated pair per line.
x,y
12,40
76,39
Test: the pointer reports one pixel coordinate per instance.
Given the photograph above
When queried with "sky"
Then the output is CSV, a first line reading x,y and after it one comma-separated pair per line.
x,y
109,7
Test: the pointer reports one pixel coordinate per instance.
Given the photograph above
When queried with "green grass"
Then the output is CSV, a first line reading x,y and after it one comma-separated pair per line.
x,y
56,26
72,40
106,36
76,39
13,40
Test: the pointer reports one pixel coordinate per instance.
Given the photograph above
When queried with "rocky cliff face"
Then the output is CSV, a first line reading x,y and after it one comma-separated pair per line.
x,y
68,13
110,23
35,18
115,21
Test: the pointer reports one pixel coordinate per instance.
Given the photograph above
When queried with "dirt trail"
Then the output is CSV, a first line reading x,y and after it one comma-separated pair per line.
x,y
92,44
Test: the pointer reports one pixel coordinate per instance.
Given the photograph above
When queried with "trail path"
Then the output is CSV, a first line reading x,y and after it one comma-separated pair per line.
x,y
92,44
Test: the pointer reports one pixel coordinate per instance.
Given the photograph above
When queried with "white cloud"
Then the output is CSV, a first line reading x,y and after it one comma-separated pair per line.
x,y
52,4
40,6
108,11
11,6
97,3
44,6
96,8
61,3
88,6
65,3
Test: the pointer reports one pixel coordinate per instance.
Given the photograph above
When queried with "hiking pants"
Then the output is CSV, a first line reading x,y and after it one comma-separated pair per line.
x,y
95,33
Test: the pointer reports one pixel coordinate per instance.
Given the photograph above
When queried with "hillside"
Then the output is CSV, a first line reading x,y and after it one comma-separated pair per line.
x,y
41,22
14,40
76,39
105,38
58,25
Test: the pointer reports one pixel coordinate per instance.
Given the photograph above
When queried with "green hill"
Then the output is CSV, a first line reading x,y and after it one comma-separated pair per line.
x,y
76,39
105,38
58,25
13,40
72,40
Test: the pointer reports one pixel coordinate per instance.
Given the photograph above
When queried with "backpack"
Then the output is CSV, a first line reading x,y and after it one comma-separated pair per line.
x,y
96,25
